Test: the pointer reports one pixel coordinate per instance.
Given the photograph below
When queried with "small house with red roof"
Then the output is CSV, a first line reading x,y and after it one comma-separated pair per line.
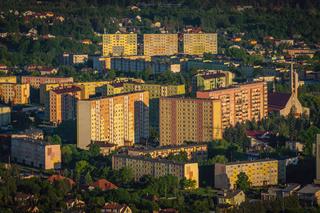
x,y
116,208
54,178
103,185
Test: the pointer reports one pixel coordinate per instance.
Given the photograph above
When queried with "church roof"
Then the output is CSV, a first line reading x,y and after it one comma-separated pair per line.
x,y
277,101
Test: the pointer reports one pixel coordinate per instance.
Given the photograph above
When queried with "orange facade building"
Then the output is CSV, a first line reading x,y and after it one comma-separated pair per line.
x,y
35,81
189,119
240,103
120,119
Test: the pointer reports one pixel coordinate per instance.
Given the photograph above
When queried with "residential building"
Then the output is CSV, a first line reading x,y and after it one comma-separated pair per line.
x,y
200,43
35,81
212,79
36,153
280,193
70,59
260,173
231,197
103,185
113,207
62,104
194,151
309,195
156,167
155,92
160,44
119,44
12,93
300,52
8,79
5,115
285,103
317,180
241,102
189,119
120,119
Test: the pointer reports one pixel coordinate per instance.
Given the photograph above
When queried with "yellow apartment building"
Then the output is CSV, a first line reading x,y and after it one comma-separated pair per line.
x,y
14,93
212,79
121,119
119,44
156,167
189,119
240,103
8,79
260,173
5,115
62,104
160,44
200,43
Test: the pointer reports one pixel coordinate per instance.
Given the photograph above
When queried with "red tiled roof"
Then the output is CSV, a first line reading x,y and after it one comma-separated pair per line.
x,y
112,206
277,101
104,185
255,133
61,90
54,178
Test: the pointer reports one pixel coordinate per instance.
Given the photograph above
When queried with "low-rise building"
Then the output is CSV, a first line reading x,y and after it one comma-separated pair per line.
x,y
310,194
231,197
115,208
36,81
5,115
280,193
12,93
212,79
36,153
8,79
156,167
260,173
193,151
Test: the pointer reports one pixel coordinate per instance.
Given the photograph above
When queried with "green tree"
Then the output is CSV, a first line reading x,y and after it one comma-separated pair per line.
x,y
243,182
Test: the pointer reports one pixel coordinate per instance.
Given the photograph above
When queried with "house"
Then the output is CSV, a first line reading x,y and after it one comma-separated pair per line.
x,y
295,146
310,194
168,210
54,178
103,185
86,41
231,197
259,139
47,71
285,103
3,68
75,204
115,208
276,193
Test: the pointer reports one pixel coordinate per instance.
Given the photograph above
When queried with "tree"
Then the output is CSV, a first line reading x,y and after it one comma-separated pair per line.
x,y
187,183
55,139
243,182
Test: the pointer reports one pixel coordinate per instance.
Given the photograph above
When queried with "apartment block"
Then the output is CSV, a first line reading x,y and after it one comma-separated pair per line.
x,y
200,43
12,93
260,173
35,81
155,92
240,103
62,104
212,79
8,79
35,153
156,167
160,44
5,115
119,44
189,119
194,151
121,120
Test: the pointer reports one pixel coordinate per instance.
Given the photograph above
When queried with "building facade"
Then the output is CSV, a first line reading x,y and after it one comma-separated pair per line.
x,y
189,119
35,81
240,103
119,44
11,93
5,115
120,119
160,44
260,173
62,104
36,153
200,43
156,167
212,79
8,79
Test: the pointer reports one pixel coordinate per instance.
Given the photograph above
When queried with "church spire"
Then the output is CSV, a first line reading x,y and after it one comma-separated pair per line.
x,y
294,78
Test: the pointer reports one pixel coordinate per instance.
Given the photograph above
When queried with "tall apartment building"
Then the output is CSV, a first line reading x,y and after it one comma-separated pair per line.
x,y
36,153
5,115
14,93
8,79
260,173
240,103
200,43
160,44
62,104
35,81
120,119
119,44
189,119
212,79
156,167
155,92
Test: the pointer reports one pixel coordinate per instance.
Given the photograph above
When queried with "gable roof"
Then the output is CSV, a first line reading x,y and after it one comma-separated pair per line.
x,y
277,101
104,185
54,178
